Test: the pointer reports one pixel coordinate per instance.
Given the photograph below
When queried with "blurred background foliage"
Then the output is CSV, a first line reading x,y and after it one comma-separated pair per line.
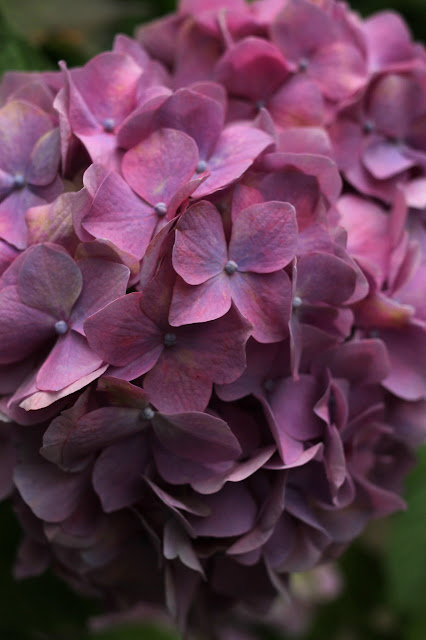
x,y
383,574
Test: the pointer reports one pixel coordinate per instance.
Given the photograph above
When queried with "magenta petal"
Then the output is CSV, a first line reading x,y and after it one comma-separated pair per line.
x,y
197,436
407,355
339,69
103,282
321,277
385,159
42,278
177,383
51,493
264,299
120,485
388,41
200,250
197,115
43,164
236,149
159,165
253,68
292,404
361,361
13,227
120,333
200,303
233,512
70,359
264,237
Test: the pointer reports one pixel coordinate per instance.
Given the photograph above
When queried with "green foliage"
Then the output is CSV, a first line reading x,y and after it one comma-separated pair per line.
x,y
15,53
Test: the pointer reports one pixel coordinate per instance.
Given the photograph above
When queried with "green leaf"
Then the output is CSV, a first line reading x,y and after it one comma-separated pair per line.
x,y
135,632
405,549
16,54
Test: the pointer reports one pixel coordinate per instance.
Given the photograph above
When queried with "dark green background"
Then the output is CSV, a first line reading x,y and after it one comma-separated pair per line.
x,y
384,572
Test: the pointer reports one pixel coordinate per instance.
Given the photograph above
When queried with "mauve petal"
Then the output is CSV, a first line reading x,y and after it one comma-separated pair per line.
x,y
389,42
360,361
252,68
100,429
178,383
51,493
237,148
103,282
264,299
393,102
298,103
301,27
121,485
70,359
322,277
21,126
196,115
122,394
200,250
108,84
13,227
339,69
23,330
292,403
50,280
200,303
264,237
159,165
43,163
385,159
233,512
407,354
196,436
53,223
120,333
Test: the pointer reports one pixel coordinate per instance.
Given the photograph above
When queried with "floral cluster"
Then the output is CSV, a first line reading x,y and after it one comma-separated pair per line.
x,y
213,300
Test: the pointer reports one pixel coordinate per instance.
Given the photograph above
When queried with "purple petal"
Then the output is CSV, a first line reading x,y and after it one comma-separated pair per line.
x,y
103,282
42,277
237,148
159,165
321,277
196,436
13,227
264,299
385,159
233,512
200,303
292,404
339,69
70,360
407,354
23,330
43,164
120,333
264,237
200,250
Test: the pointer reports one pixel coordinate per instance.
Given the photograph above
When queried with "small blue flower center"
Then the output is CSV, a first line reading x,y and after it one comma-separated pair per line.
x,y
231,267
201,166
269,385
18,181
61,327
297,302
303,64
169,339
160,209
368,126
109,125
147,413
260,104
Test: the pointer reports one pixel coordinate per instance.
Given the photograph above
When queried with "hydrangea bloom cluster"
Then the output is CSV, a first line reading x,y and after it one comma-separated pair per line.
x,y
212,300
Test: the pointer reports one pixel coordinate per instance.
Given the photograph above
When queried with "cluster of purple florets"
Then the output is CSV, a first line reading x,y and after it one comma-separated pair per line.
x,y
213,300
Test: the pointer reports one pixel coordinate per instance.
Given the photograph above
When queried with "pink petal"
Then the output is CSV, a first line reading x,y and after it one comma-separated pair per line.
x,y
384,159
43,164
292,404
265,301
264,237
70,359
200,250
200,303
159,165
322,277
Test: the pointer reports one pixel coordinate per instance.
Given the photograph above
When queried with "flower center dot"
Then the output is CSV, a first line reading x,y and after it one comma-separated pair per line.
x,y
269,385
109,125
19,181
61,327
201,166
147,413
231,267
260,104
297,302
169,339
160,209
368,126
303,64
